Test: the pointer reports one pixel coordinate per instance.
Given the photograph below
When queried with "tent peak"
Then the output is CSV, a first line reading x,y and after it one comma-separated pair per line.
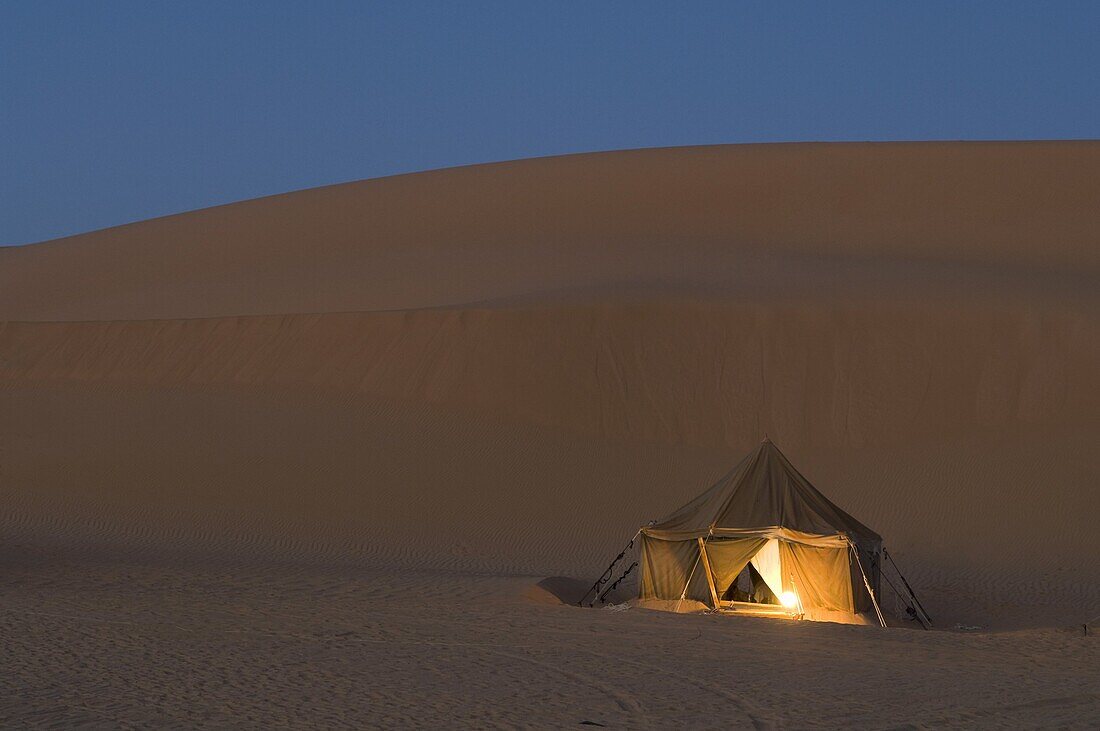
x,y
764,490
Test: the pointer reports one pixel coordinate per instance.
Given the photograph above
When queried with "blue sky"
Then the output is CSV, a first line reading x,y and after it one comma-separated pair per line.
x,y
120,111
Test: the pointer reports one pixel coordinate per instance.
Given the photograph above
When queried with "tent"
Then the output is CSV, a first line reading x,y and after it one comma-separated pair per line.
x,y
766,523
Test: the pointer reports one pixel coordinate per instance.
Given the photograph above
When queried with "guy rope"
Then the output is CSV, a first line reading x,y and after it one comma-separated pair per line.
x,y
866,582
919,610
700,557
603,596
595,589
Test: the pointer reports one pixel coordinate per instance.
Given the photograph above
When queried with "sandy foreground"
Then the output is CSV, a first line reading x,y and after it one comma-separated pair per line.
x,y
344,456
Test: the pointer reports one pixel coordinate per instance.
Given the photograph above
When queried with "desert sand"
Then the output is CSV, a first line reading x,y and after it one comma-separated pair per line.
x,y
346,456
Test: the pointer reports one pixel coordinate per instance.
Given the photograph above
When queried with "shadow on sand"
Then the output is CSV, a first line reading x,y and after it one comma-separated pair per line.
x,y
558,590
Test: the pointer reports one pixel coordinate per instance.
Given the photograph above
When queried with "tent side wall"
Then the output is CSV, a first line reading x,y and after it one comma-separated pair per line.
x,y
821,577
666,567
824,577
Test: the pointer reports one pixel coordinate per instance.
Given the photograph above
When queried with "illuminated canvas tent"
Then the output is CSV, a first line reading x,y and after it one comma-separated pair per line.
x,y
762,521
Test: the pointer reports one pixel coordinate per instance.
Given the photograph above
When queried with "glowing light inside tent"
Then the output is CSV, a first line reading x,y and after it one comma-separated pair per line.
x,y
788,599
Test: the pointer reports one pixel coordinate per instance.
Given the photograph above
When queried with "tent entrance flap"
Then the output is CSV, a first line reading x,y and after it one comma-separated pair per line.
x,y
728,558
669,566
766,563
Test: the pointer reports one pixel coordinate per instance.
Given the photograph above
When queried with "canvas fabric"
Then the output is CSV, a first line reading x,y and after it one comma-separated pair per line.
x,y
764,491
821,577
767,564
764,498
666,566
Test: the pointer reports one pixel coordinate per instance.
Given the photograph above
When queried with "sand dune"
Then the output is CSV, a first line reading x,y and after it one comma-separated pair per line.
x,y
685,217
533,439
440,382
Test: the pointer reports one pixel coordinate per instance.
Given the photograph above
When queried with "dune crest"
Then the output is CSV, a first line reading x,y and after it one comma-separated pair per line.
x,y
692,217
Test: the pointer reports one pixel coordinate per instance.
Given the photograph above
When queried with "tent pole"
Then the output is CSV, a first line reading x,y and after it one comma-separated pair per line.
x,y
798,598
710,574
687,584
683,594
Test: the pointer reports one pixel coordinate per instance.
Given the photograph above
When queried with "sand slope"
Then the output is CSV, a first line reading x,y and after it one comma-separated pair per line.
x,y
503,370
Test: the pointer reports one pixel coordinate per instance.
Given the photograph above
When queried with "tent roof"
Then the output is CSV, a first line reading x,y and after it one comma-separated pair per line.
x,y
762,493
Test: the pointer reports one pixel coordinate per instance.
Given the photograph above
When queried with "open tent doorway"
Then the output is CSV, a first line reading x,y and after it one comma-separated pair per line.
x,y
760,581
